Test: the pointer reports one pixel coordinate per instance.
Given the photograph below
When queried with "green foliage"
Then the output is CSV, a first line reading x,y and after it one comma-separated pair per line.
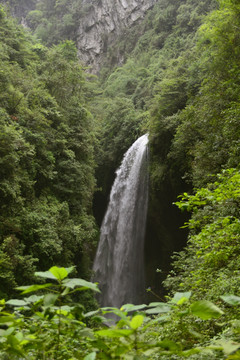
x,y
213,241
41,323
207,133
179,82
50,325
54,21
46,155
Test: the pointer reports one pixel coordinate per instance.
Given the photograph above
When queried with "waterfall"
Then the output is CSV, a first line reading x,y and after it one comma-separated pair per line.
x,y
119,262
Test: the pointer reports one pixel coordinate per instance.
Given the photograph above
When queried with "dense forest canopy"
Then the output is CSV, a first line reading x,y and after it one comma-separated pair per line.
x,y
47,156
63,132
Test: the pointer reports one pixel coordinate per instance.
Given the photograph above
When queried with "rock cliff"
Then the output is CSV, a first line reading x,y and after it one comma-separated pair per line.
x,y
103,23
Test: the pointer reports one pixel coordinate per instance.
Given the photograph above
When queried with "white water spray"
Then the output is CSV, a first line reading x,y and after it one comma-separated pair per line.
x,y
119,261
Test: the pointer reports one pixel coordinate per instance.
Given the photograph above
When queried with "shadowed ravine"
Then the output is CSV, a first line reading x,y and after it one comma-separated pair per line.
x,y
119,261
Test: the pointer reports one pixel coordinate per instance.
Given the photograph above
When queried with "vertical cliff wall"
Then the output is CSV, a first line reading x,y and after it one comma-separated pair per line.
x,y
103,23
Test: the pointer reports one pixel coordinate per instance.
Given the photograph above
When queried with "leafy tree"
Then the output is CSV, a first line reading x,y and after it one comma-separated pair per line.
x,y
211,116
47,165
211,257
56,20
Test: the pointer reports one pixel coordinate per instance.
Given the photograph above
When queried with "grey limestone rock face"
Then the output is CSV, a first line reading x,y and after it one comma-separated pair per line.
x,y
103,22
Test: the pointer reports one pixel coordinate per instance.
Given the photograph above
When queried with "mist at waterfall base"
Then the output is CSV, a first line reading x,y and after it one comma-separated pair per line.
x,y
119,261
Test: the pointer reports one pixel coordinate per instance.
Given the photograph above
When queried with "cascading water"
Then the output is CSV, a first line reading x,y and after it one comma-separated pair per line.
x,y
119,261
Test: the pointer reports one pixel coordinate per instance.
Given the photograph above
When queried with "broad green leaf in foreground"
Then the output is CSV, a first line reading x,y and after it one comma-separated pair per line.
x,y
114,333
228,347
91,313
50,299
181,297
70,269
30,288
45,275
33,298
231,299
116,311
7,319
91,356
72,283
136,322
16,302
59,273
206,310
158,308
131,307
